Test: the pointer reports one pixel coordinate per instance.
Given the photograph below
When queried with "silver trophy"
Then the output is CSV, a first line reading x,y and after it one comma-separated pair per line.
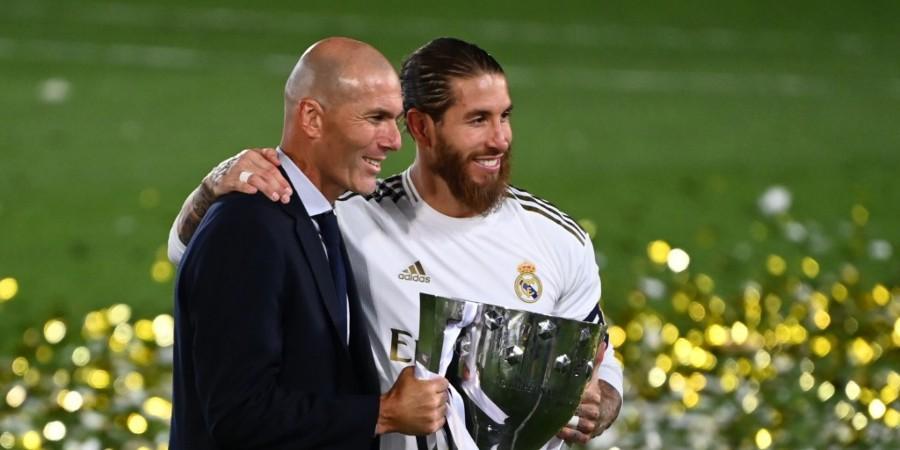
x,y
520,374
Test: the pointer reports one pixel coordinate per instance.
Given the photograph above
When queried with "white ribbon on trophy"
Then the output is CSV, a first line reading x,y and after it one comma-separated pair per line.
x,y
456,410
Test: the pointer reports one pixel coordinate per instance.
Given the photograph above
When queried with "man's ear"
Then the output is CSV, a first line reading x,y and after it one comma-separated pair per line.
x,y
310,117
421,127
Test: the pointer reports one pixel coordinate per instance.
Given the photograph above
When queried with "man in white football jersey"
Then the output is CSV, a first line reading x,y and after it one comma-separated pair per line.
x,y
449,225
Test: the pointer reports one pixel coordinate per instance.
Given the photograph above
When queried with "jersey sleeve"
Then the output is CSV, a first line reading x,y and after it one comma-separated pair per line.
x,y
581,300
175,246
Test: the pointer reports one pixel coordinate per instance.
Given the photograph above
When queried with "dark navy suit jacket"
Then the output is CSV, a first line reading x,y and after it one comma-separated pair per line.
x,y
258,360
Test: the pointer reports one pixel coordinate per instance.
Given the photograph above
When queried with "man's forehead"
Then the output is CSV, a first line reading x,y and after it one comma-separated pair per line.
x,y
483,91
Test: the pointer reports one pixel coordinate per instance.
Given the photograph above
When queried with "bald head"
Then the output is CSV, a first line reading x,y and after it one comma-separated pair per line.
x,y
332,70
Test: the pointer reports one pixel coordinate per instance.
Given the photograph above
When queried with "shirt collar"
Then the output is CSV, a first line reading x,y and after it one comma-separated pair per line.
x,y
313,200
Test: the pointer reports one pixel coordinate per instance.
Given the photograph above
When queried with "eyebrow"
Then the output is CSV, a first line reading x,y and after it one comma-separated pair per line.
x,y
485,112
381,112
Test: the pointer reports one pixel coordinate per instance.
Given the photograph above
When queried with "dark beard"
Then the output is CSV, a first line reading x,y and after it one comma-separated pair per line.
x,y
450,165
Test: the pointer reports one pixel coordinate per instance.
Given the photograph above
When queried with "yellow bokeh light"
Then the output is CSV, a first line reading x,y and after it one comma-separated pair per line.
x,y
860,214
729,382
762,359
821,346
678,260
826,391
81,356
159,407
744,367
843,410
31,440
682,349
881,294
54,331
118,313
54,431
699,358
72,401
7,440
705,283
822,319
690,398
16,396
892,418
739,333
810,267
775,265
123,333
862,352
807,381
763,439
134,381
697,381
136,423
616,336
656,377
716,305
670,333
717,335
877,409
859,421
98,379
162,271
658,251
888,394
143,329
9,287
852,390
798,334
749,403
677,383
680,301
164,330
634,330
839,292
696,311
95,324
664,363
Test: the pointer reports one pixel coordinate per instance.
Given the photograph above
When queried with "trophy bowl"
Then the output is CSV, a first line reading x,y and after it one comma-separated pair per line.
x,y
520,374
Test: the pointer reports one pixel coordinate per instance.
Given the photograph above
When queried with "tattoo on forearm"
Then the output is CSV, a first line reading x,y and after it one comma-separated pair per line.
x,y
194,210
200,200
609,407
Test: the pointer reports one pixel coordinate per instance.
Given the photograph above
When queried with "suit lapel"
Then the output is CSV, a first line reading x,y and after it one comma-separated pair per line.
x,y
315,255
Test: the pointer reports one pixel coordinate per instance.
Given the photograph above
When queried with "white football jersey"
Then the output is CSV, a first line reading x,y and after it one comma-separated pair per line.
x,y
525,255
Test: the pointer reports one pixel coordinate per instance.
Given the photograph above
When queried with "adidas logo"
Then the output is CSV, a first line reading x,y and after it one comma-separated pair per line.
x,y
415,272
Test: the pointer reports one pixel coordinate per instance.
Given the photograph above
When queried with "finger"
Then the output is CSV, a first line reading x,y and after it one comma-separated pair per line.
x,y
266,185
587,426
437,385
588,411
275,181
571,436
271,155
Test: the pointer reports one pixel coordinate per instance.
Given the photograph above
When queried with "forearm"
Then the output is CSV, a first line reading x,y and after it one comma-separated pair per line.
x,y
193,210
609,407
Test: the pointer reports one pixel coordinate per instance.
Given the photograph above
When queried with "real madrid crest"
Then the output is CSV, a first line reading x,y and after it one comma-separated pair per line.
x,y
527,285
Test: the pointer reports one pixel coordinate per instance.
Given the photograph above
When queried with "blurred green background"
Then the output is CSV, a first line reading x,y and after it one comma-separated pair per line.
x,y
650,120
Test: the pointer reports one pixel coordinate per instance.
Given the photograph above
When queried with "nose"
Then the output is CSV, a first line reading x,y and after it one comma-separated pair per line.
x,y
391,139
501,136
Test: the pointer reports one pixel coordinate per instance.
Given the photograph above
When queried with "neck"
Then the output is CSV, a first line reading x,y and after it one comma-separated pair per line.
x,y
435,192
303,162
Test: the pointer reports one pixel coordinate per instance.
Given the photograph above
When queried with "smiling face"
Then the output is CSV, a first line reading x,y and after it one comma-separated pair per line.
x,y
357,134
471,152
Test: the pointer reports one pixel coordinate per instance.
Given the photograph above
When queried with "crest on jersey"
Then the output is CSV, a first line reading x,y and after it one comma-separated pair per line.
x,y
527,285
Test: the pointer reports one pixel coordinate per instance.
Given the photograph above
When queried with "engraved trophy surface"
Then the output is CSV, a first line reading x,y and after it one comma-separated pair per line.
x,y
520,374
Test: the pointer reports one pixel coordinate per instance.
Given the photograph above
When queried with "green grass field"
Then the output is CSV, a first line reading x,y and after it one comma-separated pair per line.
x,y
659,120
